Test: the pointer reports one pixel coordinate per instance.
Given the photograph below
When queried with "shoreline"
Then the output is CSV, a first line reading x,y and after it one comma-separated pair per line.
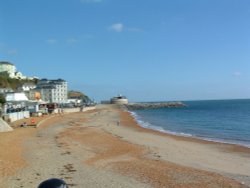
x,y
184,135
223,150
89,149
230,147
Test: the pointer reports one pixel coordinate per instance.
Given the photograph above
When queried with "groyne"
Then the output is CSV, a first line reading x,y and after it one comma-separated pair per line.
x,y
153,105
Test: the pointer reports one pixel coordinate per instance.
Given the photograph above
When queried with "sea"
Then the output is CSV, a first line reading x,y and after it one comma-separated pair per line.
x,y
226,121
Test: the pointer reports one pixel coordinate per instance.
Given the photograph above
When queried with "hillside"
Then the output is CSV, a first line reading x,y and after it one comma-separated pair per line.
x,y
7,82
78,95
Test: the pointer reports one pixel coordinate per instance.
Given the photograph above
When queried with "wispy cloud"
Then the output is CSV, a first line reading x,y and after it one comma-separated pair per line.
x,y
236,73
51,41
71,40
117,27
91,1
120,27
12,52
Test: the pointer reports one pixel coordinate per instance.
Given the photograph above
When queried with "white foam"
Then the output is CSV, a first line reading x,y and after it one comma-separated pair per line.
x,y
224,142
148,125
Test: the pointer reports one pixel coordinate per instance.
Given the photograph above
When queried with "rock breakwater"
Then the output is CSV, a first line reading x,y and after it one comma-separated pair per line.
x,y
140,106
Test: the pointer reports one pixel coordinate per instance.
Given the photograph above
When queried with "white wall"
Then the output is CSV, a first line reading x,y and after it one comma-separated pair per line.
x,y
16,97
71,110
17,115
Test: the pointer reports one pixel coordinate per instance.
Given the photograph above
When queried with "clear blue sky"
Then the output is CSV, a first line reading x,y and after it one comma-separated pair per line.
x,y
148,50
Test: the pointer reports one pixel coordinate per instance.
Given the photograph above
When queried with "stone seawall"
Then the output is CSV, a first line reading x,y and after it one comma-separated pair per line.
x,y
139,106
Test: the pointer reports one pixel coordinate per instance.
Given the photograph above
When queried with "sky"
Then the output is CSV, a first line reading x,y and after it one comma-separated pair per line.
x,y
147,50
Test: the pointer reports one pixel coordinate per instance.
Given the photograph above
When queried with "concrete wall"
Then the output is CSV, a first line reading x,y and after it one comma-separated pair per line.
x,y
16,116
26,114
71,110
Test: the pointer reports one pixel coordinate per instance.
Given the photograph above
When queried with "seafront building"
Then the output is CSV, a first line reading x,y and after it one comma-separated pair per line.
x,y
4,90
53,91
26,97
11,70
26,87
16,97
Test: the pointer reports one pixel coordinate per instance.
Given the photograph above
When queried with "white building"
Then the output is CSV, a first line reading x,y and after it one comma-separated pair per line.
x,y
11,70
16,97
19,75
26,87
8,67
5,90
53,91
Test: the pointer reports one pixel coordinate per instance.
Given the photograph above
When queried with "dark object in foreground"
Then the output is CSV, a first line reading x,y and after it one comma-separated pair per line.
x,y
53,183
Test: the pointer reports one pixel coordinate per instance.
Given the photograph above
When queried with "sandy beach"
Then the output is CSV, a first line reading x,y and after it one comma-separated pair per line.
x,y
90,149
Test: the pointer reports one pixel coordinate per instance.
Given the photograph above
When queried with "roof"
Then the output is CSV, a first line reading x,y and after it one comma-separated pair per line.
x,y
45,81
45,87
58,80
6,63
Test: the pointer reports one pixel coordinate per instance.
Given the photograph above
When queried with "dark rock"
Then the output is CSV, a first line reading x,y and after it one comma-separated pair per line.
x,y
140,106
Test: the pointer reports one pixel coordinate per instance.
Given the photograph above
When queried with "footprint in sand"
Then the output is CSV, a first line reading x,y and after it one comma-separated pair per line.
x,y
66,153
69,168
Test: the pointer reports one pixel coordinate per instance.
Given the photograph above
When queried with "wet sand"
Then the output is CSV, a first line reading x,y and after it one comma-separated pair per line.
x,y
90,149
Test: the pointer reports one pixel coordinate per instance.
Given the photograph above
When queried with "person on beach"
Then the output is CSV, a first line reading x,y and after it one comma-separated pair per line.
x,y
118,123
24,124
33,121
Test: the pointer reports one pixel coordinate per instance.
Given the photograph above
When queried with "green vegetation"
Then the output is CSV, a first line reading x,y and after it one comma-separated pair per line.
x,y
7,82
78,95
2,99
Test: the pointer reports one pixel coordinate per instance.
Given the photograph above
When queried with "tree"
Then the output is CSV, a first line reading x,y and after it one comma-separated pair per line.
x,y
2,99
79,95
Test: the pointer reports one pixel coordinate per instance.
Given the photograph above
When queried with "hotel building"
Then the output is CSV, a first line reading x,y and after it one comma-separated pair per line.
x,y
53,91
